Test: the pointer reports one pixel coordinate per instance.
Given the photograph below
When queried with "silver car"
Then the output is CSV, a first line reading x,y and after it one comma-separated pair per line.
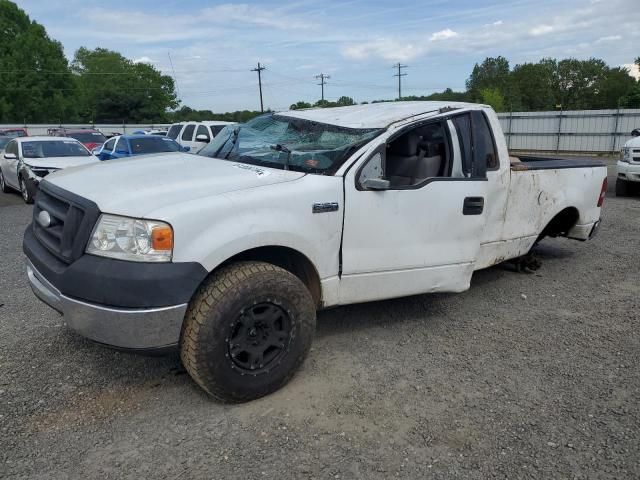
x,y
26,160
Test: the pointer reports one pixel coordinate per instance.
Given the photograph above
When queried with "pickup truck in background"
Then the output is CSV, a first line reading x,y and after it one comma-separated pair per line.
x,y
228,254
628,167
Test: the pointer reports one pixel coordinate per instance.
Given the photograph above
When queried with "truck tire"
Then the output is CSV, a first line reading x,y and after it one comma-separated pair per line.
x,y
622,188
247,330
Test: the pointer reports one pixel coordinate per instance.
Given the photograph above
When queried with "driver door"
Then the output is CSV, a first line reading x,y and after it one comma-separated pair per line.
x,y
411,236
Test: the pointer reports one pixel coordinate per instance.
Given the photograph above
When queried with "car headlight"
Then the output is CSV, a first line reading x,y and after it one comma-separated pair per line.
x,y
132,239
625,155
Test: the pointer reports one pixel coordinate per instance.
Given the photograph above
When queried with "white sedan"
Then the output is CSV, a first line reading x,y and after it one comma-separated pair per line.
x,y
26,160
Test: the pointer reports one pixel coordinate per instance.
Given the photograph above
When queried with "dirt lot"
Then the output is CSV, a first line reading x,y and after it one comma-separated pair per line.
x,y
523,376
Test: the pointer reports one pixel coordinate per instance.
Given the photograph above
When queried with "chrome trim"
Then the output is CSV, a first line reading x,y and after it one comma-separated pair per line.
x,y
143,328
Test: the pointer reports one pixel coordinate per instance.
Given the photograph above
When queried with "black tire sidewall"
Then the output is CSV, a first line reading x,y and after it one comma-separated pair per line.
x,y
622,188
3,183
232,383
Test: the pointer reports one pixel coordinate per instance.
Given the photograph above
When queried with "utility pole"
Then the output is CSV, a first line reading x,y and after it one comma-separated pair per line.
x,y
259,69
399,66
322,83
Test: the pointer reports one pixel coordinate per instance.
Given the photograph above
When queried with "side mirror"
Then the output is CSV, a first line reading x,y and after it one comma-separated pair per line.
x,y
10,156
203,138
96,151
635,132
376,184
185,149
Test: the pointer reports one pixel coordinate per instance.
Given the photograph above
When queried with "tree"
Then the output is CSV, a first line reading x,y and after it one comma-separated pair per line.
x,y
493,97
537,85
345,101
35,82
299,105
112,88
493,72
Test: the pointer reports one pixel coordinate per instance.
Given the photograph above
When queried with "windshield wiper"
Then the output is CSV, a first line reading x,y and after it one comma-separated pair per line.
x,y
279,147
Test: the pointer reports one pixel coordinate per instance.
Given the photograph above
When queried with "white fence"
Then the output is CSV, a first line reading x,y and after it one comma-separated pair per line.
x,y
107,129
589,131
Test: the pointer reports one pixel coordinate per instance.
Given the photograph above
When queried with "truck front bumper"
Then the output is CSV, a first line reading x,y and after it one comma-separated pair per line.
x,y
127,328
629,171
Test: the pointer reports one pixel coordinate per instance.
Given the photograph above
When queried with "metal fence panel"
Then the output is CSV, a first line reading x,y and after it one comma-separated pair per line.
x,y
588,131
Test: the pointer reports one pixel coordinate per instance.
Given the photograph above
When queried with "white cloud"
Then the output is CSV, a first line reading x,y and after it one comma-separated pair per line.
x,y
144,59
443,35
541,30
633,69
609,38
386,48
253,15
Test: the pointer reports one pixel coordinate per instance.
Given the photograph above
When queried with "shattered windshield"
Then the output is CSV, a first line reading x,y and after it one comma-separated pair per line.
x,y
289,143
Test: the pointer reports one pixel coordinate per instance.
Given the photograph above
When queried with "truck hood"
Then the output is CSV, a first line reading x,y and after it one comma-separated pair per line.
x,y
135,186
60,162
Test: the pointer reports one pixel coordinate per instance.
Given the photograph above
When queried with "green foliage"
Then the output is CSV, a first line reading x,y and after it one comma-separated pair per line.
x,y
492,97
112,88
300,105
35,82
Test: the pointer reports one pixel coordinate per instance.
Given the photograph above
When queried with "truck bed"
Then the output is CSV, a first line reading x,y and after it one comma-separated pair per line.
x,y
552,163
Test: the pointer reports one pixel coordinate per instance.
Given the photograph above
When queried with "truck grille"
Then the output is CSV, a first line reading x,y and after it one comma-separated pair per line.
x,y
71,221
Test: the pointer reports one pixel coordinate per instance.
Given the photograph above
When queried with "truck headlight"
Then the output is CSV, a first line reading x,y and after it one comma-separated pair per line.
x,y
132,239
625,155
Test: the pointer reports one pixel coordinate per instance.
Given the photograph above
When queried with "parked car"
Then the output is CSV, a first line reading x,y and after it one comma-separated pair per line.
x,y
628,167
3,142
13,132
27,160
89,137
160,133
130,145
195,135
291,212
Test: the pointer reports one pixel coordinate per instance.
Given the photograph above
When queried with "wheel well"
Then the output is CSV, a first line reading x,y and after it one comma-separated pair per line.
x,y
289,259
564,221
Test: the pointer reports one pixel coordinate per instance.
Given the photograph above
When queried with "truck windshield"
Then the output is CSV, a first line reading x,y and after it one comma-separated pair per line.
x,y
308,146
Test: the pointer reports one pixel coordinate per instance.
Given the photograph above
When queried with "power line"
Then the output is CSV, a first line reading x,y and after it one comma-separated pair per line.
x,y
259,69
322,83
399,66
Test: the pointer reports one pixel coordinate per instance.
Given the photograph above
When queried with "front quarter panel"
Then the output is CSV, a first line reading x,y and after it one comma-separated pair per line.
x,y
214,229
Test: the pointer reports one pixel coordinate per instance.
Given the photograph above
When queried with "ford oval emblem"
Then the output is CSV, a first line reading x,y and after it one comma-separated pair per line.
x,y
44,219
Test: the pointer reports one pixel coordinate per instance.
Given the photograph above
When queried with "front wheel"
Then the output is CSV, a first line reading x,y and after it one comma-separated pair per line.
x,y
3,184
24,190
622,188
247,330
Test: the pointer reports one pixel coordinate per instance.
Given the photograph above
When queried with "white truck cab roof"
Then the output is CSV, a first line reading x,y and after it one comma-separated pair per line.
x,y
373,115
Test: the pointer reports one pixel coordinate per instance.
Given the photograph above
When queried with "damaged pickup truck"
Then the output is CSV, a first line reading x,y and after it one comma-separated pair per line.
x,y
228,254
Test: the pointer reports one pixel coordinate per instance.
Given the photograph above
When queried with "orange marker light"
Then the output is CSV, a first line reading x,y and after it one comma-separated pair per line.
x,y
162,238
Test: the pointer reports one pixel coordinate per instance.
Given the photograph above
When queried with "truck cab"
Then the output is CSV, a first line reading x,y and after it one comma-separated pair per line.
x,y
290,213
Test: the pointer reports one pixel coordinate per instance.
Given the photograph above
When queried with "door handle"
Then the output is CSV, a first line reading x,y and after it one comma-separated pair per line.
x,y
473,206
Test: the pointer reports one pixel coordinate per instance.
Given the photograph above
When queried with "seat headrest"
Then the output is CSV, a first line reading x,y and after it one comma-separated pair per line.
x,y
406,145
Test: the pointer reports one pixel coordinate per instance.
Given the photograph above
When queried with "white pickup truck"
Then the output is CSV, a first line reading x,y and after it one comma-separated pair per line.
x,y
228,254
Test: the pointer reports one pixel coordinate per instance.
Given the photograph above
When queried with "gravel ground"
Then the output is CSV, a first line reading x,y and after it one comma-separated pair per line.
x,y
523,376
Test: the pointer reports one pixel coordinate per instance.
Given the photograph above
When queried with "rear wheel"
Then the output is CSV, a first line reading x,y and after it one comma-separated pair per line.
x,y
247,330
622,188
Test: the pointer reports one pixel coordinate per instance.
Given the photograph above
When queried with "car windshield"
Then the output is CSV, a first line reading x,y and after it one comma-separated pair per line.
x,y
152,144
53,148
4,141
276,140
88,137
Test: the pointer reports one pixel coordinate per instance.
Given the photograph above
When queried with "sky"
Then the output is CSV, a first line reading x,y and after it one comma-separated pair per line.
x,y
210,47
